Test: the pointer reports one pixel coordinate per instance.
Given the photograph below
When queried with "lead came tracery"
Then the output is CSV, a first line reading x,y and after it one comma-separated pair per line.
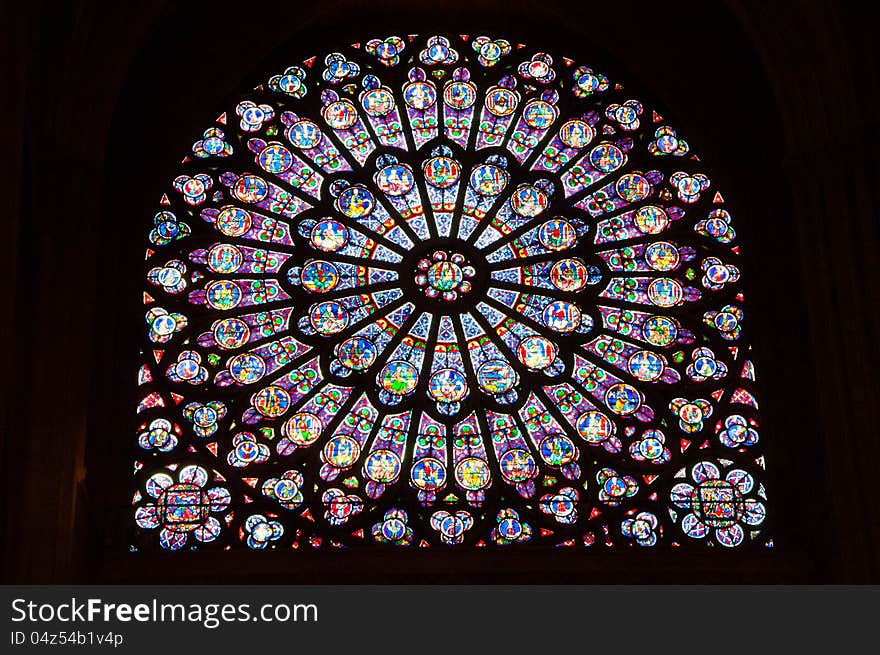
x,y
444,291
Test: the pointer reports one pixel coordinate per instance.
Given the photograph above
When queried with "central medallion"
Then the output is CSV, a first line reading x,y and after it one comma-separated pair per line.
x,y
445,274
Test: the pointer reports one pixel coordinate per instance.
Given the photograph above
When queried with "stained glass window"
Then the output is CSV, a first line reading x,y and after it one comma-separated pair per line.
x,y
444,291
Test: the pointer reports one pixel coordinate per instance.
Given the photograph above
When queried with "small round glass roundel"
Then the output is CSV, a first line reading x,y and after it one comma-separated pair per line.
x,y
224,258
536,353
319,277
528,201
442,172
665,292
623,399
303,428
428,474
382,466
272,401
356,202
517,465
329,235
444,275
646,366
340,115
651,219
557,234
569,275
662,256
488,180
447,386
328,317
606,157
496,377
594,427
395,180
223,294
460,95
419,95
576,134
472,473
378,102
561,316
539,114
247,368
231,333
557,450
501,102
399,378
304,134
660,331
357,353
341,452
234,222
275,159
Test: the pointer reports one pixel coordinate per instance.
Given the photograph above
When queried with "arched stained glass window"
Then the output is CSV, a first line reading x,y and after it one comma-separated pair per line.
x,y
444,291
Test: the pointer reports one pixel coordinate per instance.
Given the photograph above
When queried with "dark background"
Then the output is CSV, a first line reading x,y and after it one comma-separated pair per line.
x,y
101,99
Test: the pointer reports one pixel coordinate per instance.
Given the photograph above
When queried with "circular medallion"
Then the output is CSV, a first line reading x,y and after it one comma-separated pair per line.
x,y
224,258
517,465
420,95
488,180
399,378
665,292
536,353
233,222
357,353
501,102
646,366
528,201
329,235
304,134
472,474
231,333
442,172
569,275
428,474
378,102
319,277
223,294
557,450
355,202
272,401
395,180
328,317
623,399
557,234
275,159
303,428
660,331
662,256
382,466
340,115
447,386
651,219
576,134
342,452
460,95
561,316
594,427
496,377
247,368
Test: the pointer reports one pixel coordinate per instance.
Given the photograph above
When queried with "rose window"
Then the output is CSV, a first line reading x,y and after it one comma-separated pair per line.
x,y
444,291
